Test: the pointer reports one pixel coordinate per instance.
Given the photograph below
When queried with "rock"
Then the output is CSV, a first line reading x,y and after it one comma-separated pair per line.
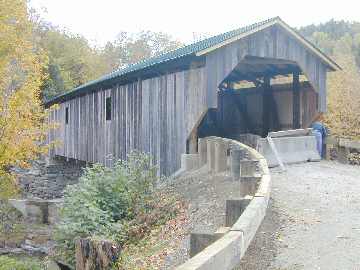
x,y
51,265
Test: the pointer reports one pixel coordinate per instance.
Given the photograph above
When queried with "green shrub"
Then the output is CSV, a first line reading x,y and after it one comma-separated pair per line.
x,y
9,263
118,203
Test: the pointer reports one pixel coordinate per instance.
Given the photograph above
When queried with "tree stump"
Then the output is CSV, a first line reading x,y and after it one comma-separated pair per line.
x,y
93,254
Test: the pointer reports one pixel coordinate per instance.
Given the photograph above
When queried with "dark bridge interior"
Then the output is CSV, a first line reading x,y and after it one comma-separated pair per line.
x,y
260,95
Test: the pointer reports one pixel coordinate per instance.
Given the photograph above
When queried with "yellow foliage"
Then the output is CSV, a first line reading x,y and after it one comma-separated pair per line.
x,y
23,123
343,116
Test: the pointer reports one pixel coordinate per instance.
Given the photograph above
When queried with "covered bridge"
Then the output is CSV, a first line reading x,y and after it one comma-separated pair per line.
x,y
259,78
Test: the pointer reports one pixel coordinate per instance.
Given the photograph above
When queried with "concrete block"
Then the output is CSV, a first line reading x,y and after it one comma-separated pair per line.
x,y
199,241
210,146
189,162
248,167
234,209
220,155
38,211
248,185
35,215
290,149
20,205
250,220
54,211
202,149
236,155
223,254
349,144
343,154
248,139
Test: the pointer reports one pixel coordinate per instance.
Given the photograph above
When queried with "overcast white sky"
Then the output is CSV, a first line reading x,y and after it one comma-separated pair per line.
x,y
101,20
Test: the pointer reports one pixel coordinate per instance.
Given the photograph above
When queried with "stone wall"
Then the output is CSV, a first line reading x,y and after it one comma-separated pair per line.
x,y
47,179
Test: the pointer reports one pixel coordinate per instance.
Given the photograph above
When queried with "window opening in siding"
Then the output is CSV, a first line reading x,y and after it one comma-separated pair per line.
x,y
108,108
67,115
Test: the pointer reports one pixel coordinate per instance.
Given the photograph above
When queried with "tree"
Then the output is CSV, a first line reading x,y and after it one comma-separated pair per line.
x,y
130,48
22,124
343,116
72,61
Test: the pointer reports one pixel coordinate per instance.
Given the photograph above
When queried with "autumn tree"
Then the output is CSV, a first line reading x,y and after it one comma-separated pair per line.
x,y
129,48
341,40
72,61
21,114
343,116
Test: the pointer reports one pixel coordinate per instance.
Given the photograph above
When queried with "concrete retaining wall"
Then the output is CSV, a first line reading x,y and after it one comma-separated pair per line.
x,y
226,252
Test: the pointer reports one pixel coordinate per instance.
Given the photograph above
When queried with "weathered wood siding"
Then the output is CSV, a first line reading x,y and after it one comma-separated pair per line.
x,y
273,42
154,115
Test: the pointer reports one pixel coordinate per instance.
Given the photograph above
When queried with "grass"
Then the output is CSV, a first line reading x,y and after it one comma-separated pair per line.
x,y
20,263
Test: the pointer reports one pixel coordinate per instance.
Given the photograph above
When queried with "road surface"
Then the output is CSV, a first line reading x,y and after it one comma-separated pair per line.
x,y
313,221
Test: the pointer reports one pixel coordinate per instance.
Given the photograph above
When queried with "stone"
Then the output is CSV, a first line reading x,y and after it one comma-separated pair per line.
x,y
248,185
250,220
202,149
220,155
343,154
48,180
225,253
35,214
51,265
236,154
234,209
189,162
210,146
248,167
199,241
38,211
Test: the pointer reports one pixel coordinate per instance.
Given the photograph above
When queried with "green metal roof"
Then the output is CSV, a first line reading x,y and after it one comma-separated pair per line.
x,y
187,50
172,55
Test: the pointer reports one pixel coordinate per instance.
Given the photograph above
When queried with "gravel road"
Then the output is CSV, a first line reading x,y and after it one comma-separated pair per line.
x,y
313,221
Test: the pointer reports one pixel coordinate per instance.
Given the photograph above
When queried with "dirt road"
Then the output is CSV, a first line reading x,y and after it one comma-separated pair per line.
x,y
313,221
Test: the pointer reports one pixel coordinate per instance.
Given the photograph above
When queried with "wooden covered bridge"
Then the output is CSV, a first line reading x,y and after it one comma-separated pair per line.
x,y
259,78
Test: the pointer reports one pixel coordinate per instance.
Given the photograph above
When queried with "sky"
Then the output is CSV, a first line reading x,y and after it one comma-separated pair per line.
x,y
101,20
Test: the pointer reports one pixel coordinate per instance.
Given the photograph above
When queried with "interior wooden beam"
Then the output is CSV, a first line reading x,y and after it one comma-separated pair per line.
x,y
266,106
296,101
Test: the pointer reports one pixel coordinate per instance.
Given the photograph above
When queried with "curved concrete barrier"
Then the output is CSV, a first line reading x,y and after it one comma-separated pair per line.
x,y
226,252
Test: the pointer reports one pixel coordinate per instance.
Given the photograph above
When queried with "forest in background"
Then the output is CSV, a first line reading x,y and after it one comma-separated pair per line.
x,y
72,61
341,41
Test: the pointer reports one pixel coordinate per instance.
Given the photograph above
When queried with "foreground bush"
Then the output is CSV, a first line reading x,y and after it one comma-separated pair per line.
x,y
119,203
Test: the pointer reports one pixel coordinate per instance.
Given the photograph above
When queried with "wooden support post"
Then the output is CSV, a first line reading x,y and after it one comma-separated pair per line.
x,y
266,106
296,101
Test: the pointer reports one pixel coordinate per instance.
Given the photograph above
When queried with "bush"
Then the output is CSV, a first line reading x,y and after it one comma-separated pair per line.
x,y
117,203
9,263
